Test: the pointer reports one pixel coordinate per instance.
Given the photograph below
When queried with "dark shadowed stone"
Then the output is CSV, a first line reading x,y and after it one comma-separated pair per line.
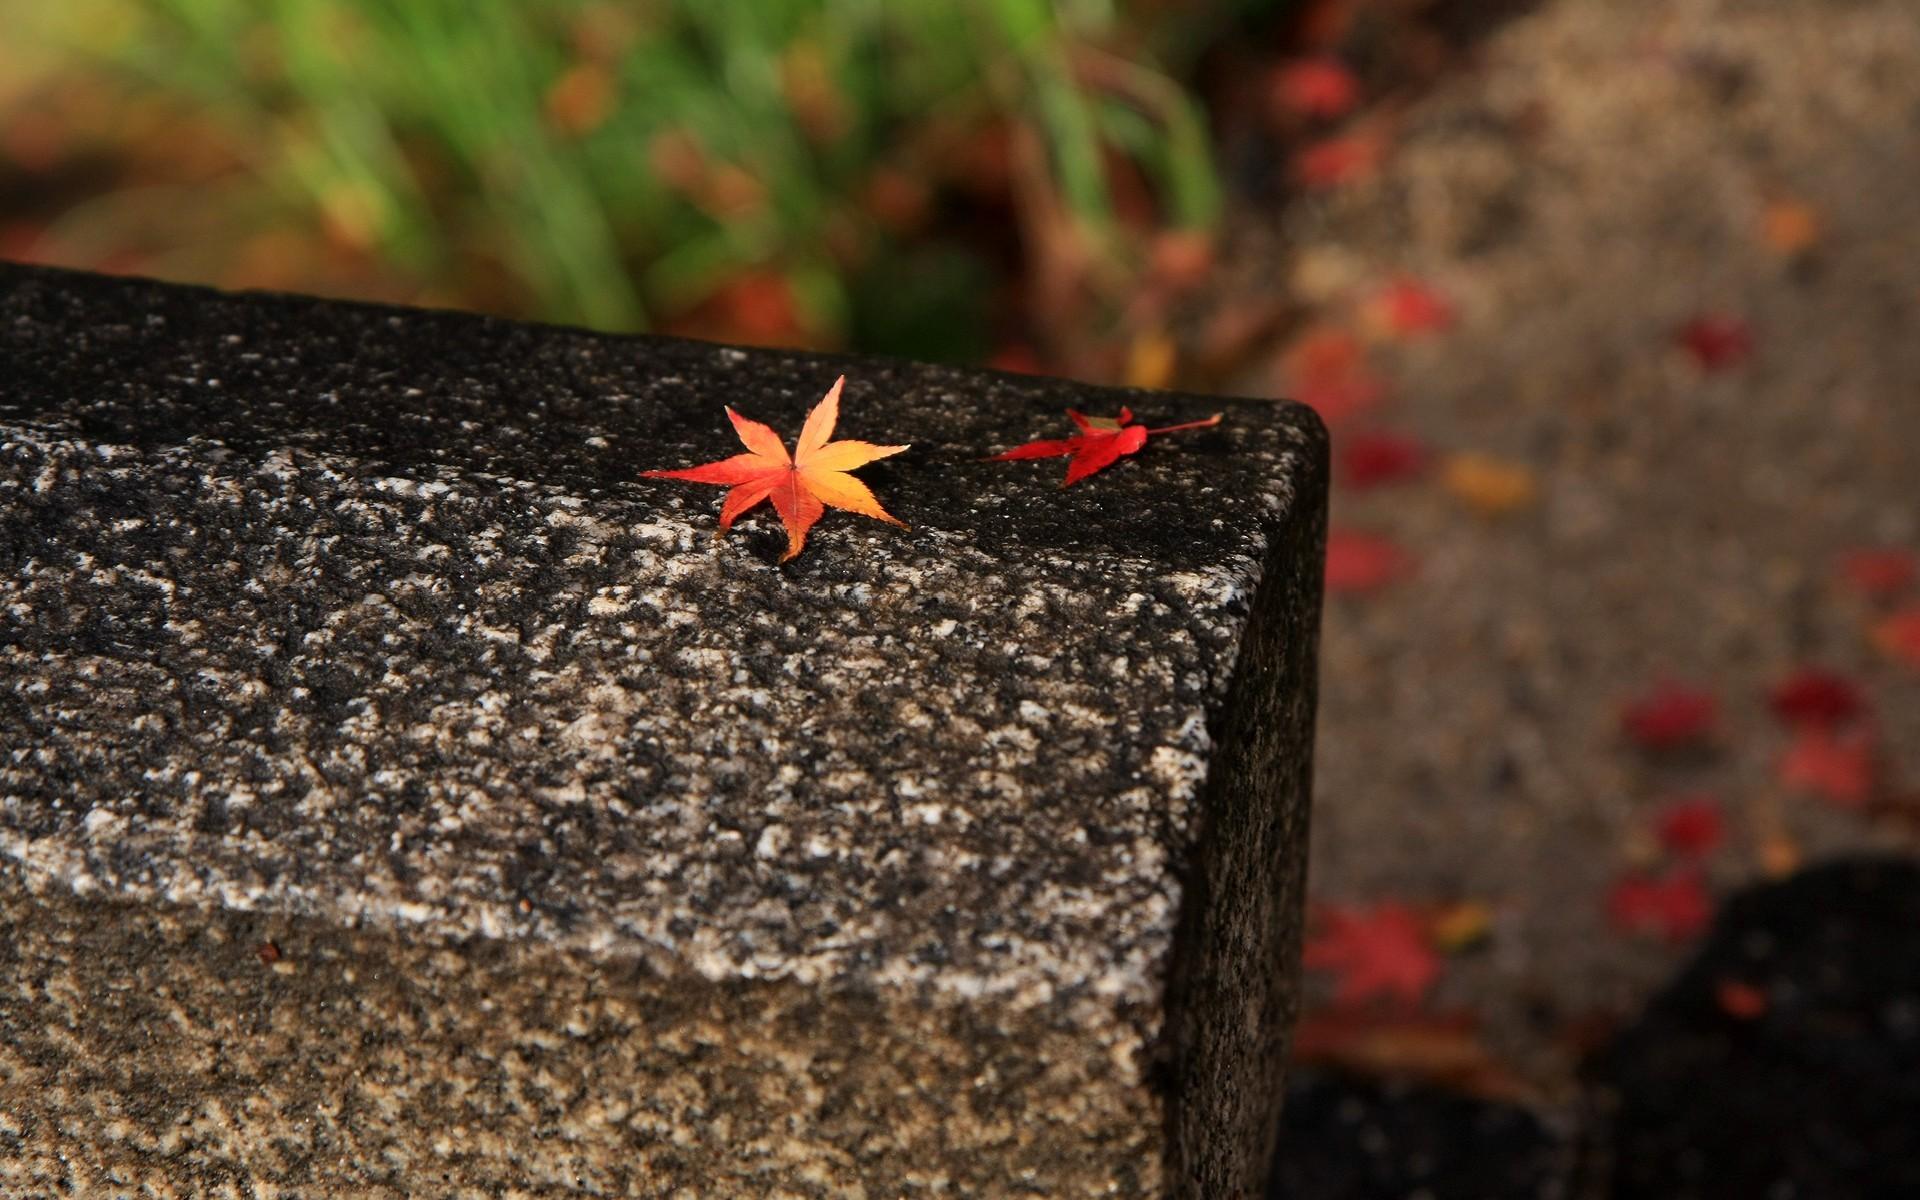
x,y
402,794
1784,1063
1343,1137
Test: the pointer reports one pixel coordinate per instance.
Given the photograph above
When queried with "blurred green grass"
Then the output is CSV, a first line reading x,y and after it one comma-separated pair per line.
x,y
806,169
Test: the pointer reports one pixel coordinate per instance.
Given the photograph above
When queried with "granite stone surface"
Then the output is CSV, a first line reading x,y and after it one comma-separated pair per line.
x,y
610,857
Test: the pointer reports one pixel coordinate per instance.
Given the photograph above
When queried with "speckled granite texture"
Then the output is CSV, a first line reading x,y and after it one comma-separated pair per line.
x,y
599,856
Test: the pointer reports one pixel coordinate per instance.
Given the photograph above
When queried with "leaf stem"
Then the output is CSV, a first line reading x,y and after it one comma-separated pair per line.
x,y
1212,420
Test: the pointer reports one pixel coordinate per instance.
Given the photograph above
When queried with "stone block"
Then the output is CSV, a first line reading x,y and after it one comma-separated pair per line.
x,y
401,796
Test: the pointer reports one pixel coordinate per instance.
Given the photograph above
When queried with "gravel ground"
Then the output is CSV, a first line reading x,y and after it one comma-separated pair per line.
x,y
1601,174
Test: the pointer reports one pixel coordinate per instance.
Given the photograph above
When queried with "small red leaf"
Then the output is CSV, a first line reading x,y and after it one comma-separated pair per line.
x,y
1691,826
1898,636
1675,907
1838,768
1878,572
1811,696
1360,562
1377,951
1717,341
1336,161
1324,352
1371,459
1338,400
1326,369
1101,442
1408,308
1671,716
1315,87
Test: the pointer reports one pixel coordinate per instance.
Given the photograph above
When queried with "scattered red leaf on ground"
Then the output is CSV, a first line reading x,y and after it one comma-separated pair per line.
x,y
1361,562
798,486
1741,1001
1336,161
1320,87
1101,442
1675,906
1717,341
1326,369
1337,400
1408,308
1691,826
1898,636
1671,716
1878,572
1372,459
1378,951
1839,768
1812,696
1324,352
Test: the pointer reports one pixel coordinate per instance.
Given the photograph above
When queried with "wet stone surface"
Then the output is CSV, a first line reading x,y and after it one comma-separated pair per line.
x,y
365,618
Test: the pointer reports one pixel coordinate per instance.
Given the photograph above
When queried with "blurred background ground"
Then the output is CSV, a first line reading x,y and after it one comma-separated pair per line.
x,y
1609,303
1618,644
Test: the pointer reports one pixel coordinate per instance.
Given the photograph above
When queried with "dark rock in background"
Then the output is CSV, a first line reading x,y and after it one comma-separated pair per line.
x,y
1343,1137
1784,1064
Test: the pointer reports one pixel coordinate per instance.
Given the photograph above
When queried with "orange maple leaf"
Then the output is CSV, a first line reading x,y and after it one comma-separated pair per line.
x,y
1100,442
798,486
1677,906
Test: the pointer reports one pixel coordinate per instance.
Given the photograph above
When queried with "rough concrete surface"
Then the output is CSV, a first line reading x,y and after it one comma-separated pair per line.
x,y
961,858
